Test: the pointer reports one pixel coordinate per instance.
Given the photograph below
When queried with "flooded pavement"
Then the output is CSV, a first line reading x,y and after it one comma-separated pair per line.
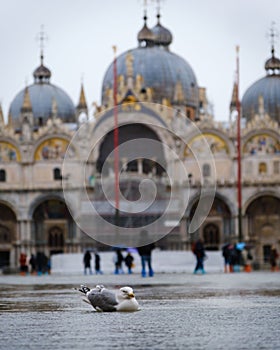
x,y
179,311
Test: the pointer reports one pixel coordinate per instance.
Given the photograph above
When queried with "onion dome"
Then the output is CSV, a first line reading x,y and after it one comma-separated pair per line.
x,y
145,37
42,94
268,88
272,65
163,36
42,74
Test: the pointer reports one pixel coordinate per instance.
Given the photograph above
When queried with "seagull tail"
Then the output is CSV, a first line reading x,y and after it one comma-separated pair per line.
x,y
84,289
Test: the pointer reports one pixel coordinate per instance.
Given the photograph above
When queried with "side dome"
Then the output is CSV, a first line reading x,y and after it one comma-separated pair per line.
x,y
268,88
161,71
42,94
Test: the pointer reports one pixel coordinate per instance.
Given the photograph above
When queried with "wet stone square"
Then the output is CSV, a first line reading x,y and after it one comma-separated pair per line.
x,y
178,311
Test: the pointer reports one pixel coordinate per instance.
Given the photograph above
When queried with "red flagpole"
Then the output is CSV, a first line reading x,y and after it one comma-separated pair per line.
x,y
116,141
239,172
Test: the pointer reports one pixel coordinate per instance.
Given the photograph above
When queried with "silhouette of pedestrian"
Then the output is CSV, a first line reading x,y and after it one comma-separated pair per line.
x,y
87,262
199,252
97,264
118,259
145,252
32,263
129,262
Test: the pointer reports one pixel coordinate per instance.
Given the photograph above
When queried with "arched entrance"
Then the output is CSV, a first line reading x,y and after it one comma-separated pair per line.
x,y
263,217
217,227
135,132
8,224
133,168
53,227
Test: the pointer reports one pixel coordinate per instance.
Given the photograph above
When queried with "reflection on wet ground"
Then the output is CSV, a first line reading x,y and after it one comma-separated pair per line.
x,y
190,314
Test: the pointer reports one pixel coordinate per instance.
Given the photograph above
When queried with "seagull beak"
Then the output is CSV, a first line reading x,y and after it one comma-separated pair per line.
x,y
131,295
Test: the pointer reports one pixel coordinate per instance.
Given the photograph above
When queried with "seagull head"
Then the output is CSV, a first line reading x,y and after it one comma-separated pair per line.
x,y
99,287
127,292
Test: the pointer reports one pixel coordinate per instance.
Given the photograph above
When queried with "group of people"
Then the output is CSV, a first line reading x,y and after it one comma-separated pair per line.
x,y
235,256
39,264
87,263
145,253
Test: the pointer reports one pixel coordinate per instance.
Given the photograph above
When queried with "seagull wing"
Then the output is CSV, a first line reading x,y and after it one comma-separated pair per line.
x,y
103,300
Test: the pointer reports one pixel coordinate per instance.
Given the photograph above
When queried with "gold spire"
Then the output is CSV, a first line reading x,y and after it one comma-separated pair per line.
x,y
234,97
82,100
10,120
1,115
26,105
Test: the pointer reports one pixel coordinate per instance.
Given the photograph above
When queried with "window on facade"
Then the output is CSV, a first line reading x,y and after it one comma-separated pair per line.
x,y
276,167
262,168
206,171
4,235
57,174
2,175
211,236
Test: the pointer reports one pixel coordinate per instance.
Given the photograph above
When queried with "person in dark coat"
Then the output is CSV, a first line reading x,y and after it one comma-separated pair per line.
x,y
97,264
145,253
273,259
199,252
226,250
129,262
87,262
118,259
32,263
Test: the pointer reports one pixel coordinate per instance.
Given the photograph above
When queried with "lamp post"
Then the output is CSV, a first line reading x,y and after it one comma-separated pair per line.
x,y
239,173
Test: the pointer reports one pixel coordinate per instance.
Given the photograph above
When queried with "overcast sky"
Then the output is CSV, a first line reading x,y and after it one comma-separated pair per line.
x,y
81,34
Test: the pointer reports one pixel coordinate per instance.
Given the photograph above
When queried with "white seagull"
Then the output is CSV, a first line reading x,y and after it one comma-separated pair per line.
x,y
105,300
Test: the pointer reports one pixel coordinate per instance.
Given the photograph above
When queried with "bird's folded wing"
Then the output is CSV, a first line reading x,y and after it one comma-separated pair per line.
x,y
105,300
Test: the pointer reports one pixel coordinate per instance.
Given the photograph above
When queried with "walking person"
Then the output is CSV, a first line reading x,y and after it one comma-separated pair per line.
x,y
118,260
97,263
227,254
87,262
22,263
145,253
129,262
32,263
199,252
273,259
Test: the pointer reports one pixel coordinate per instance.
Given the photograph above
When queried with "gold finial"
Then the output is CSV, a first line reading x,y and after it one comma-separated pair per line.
x,y
237,48
114,47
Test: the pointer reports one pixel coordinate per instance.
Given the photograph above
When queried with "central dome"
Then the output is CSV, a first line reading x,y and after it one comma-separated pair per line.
x,y
161,71
167,75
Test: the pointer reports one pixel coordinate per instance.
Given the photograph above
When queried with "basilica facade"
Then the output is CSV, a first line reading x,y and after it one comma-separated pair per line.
x,y
50,149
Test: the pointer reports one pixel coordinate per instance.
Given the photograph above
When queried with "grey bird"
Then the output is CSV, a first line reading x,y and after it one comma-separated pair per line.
x,y
105,300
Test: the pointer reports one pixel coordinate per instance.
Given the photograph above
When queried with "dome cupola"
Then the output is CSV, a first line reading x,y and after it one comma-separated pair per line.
x,y
42,96
272,65
163,36
266,89
145,37
42,74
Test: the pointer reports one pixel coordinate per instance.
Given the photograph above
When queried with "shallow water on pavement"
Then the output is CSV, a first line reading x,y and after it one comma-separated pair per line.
x,y
52,316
